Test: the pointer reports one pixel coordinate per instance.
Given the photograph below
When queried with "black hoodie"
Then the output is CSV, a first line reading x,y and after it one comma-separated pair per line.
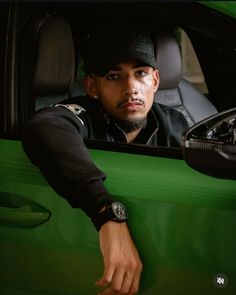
x,y
54,138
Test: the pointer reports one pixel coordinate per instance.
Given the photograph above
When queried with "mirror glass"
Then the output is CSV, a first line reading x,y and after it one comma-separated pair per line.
x,y
210,145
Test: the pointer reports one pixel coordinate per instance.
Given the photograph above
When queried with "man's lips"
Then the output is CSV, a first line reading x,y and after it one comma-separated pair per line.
x,y
131,105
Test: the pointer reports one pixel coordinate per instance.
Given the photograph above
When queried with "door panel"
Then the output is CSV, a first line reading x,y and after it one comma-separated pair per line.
x,y
183,223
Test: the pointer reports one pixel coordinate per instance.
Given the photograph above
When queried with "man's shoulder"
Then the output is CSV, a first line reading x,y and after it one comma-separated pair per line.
x,y
169,112
90,106
82,101
162,108
173,121
91,109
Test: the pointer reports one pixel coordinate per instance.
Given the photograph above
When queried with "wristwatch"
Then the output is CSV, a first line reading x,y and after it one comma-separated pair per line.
x,y
114,211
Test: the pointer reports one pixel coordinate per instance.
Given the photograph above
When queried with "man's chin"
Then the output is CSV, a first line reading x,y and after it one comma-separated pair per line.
x,y
129,125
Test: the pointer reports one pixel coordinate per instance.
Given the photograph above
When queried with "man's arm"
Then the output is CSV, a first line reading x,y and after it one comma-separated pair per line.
x,y
122,264
53,140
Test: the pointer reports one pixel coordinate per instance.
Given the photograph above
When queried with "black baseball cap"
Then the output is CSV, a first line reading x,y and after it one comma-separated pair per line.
x,y
109,44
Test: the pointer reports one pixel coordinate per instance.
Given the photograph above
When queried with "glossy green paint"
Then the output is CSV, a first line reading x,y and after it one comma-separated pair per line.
x,y
17,211
183,223
226,7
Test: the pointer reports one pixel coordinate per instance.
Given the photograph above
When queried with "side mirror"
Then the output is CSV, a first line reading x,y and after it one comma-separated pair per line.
x,y
210,145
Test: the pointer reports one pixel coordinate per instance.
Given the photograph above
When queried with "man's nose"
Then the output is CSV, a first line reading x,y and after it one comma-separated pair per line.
x,y
130,87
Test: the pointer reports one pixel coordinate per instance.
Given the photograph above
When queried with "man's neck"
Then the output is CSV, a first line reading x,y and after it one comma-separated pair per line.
x,y
132,135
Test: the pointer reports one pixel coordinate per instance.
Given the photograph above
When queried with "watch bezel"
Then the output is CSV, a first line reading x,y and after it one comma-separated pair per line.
x,y
114,205
109,213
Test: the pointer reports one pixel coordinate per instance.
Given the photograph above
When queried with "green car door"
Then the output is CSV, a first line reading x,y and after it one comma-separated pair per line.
x,y
182,221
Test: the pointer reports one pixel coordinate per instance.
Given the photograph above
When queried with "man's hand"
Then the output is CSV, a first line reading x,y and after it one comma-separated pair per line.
x,y
122,265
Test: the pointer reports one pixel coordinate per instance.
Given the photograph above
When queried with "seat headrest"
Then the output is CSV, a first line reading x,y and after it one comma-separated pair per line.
x,y
55,60
169,60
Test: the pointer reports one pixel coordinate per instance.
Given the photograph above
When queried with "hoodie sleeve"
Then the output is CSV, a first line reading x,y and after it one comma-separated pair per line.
x,y
53,140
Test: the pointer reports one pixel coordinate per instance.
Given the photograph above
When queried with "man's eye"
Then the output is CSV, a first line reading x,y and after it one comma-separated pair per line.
x,y
112,77
141,73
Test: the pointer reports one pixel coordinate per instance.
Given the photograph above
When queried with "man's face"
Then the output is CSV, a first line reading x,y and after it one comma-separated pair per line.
x,y
127,91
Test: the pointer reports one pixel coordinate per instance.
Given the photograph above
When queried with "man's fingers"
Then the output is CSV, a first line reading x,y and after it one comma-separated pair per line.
x,y
127,283
136,281
118,278
122,283
107,276
131,281
122,264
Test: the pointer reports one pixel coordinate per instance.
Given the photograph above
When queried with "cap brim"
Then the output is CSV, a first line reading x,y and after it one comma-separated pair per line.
x,y
104,64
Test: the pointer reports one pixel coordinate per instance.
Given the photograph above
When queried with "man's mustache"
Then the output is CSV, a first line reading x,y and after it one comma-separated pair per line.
x,y
137,101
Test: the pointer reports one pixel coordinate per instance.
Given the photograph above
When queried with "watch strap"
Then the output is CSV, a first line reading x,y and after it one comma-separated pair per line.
x,y
105,216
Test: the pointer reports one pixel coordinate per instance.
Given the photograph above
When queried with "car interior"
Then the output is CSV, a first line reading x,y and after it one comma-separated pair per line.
x,y
49,56
45,66
53,68
175,91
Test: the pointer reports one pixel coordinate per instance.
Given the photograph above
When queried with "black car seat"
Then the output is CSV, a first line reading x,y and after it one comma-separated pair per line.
x,y
174,91
54,71
47,61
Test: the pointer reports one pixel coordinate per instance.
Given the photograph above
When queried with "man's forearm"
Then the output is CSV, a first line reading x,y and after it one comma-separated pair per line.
x,y
53,140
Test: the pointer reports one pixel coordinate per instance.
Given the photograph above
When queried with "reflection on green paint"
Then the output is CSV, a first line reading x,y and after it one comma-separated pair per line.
x,y
227,7
18,211
182,221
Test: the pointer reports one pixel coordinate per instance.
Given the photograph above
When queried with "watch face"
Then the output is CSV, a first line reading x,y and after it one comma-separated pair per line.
x,y
119,211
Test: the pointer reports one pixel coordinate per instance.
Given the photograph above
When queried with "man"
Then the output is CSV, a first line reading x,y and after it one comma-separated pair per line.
x,y
121,82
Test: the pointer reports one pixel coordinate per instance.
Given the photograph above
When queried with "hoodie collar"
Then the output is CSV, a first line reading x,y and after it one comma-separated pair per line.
x,y
145,135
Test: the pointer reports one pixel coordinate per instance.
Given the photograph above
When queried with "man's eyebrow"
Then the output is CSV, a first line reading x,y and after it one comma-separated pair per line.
x,y
135,66
116,68
140,65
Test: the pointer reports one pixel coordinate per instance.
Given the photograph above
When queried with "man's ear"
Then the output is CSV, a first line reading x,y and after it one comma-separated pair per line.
x,y
90,87
156,80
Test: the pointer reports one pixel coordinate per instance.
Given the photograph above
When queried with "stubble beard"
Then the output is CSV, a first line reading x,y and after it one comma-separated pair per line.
x,y
131,125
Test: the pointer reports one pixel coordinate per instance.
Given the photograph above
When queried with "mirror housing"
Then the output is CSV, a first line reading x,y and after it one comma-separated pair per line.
x,y
210,145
